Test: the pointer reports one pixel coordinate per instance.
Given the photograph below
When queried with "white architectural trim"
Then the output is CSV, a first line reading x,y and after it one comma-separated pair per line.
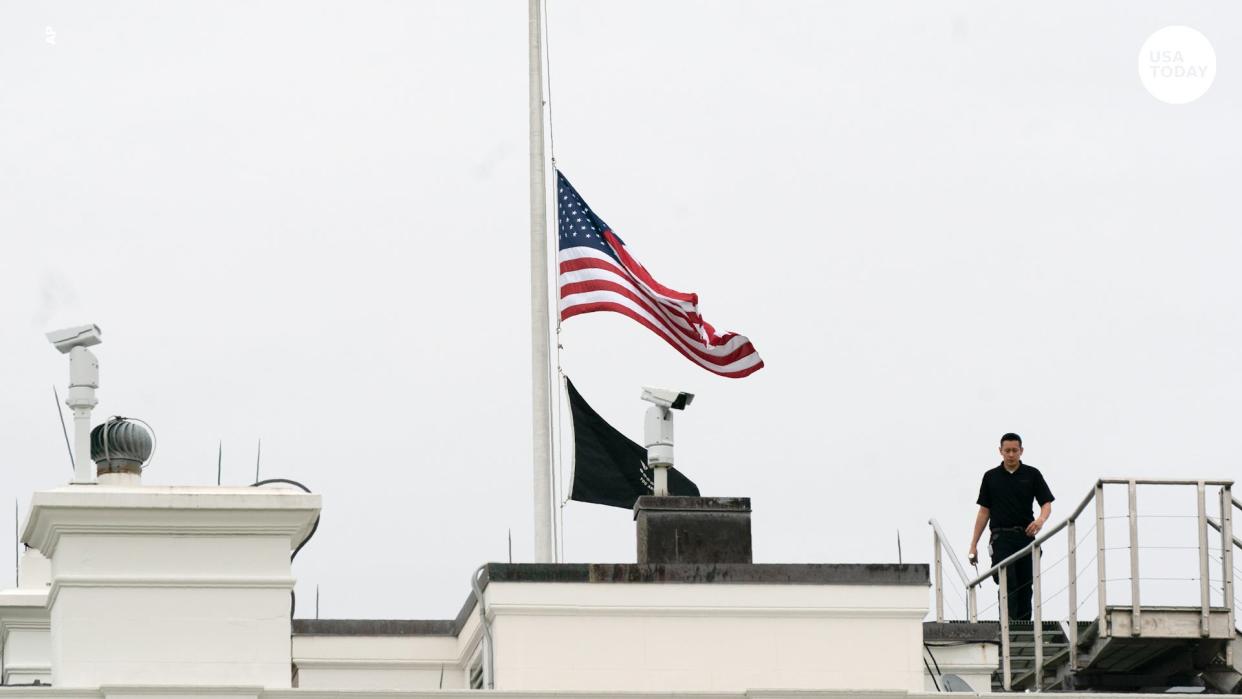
x,y
467,647
494,610
179,690
25,673
25,617
47,537
375,664
49,693
167,581
181,511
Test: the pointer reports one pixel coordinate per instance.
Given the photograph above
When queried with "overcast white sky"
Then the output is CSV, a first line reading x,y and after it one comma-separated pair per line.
x,y
307,222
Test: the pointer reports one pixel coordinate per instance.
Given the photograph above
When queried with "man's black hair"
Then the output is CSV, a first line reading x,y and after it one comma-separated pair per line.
x,y
1011,437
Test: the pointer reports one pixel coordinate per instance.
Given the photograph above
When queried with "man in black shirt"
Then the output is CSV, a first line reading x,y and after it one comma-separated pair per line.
x,y
1005,498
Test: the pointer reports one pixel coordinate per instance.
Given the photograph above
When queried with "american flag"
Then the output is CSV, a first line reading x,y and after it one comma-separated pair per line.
x,y
597,273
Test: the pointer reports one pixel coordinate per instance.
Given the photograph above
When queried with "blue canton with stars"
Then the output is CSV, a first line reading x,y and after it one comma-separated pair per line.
x,y
578,225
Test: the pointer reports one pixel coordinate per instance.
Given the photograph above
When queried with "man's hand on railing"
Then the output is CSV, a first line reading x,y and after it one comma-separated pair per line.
x,y
1045,511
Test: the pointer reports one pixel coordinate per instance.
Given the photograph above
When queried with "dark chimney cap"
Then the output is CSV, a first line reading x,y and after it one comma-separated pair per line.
x,y
682,529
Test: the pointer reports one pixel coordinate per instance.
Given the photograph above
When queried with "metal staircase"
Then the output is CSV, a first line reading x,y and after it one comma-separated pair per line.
x,y
1124,647
1022,643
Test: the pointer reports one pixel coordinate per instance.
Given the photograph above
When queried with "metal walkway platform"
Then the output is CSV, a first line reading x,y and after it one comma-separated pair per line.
x,y
1124,647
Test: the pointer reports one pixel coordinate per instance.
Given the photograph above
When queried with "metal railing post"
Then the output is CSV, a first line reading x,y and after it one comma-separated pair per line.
x,y
1006,672
1136,608
1073,595
1205,600
1037,618
944,550
1102,589
1226,562
939,577
973,604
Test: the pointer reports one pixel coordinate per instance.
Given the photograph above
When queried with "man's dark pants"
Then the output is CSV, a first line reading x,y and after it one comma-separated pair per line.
x,y
1005,543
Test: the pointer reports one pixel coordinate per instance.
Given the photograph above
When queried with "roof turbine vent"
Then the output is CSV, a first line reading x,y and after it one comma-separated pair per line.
x,y
121,448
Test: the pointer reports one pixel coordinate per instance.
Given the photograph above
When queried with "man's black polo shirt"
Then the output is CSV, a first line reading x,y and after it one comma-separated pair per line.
x,y
1008,496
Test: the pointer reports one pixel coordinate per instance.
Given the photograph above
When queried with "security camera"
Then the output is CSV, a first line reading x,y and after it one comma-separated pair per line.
x,y
81,336
658,431
665,398
83,380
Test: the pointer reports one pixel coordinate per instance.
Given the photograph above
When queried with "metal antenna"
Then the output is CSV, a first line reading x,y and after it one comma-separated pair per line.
x,y
316,600
258,456
64,430
220,461
898,547
510,545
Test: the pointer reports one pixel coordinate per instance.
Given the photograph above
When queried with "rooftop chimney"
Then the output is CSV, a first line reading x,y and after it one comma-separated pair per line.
x,y
676,529
166,585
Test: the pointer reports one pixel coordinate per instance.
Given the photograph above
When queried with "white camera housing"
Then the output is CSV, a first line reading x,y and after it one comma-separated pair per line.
x,y
667,398
658,431
83,380
80,336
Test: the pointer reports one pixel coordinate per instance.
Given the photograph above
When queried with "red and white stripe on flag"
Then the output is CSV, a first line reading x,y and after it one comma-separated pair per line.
x,y
597,273
592,280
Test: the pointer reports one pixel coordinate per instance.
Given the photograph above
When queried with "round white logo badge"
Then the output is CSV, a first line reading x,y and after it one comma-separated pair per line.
x,y
1177,65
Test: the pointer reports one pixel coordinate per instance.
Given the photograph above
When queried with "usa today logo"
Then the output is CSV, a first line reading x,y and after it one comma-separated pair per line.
x,y
1177,65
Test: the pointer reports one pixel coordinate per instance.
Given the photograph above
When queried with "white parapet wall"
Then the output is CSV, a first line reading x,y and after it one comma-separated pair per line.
x,y
170,585
378,662
25,648
569,628
706,637
369,654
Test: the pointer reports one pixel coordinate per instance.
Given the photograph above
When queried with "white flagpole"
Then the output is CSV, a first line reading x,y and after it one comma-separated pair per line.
x,y
540,329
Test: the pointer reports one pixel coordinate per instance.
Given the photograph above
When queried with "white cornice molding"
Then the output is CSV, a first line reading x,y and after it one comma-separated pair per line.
x,y
10,625
50,692
22,597
176,691
671,611
27,668
28,618
168,581
466,646
180,689
94,511
377,664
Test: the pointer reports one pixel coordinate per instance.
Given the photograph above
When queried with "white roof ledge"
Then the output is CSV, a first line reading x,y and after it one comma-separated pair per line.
x,y
168,511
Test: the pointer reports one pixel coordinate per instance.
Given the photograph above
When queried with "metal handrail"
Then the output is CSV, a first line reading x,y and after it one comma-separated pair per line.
x,y
1037,540
944,544
1022,553
1215,524
1164,481
941,542
1033,549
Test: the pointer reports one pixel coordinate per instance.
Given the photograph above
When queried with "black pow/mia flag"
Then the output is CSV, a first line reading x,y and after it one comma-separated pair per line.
x,y
609,469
